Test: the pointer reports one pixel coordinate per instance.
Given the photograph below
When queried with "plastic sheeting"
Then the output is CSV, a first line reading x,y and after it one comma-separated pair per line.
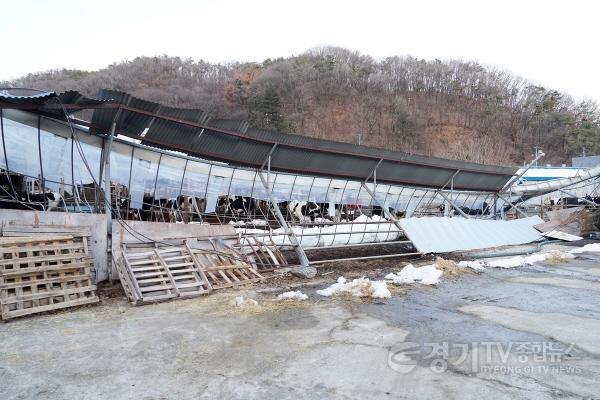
x,y
444,234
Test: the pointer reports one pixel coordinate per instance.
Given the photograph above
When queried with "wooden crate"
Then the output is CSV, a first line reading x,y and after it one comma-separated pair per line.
x,y
43,273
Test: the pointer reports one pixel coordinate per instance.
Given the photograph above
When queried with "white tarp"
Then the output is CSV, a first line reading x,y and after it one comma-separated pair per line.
x,y
444,234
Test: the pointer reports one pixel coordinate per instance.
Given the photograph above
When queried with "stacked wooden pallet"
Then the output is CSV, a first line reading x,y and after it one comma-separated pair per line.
x,y
40,274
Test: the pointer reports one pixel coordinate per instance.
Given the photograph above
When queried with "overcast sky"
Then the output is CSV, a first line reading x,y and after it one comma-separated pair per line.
x,y
555,43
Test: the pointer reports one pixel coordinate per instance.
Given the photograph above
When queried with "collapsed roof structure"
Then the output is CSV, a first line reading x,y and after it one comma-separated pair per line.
x,y
195,132
359,193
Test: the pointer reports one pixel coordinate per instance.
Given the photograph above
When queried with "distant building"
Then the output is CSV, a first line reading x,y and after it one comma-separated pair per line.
x,y
585,162
550,173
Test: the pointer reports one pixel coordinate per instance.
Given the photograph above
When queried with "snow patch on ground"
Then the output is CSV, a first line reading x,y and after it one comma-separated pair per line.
x,y
520,261
588,248
361,287
241,302
296,295
517,261
477,265
426,275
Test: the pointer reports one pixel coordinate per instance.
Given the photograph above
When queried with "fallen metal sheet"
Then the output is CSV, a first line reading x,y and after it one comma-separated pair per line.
x,y
567,237
444,234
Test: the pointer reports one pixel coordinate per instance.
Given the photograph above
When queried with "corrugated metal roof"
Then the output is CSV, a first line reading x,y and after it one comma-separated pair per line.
x,y
444,234
69,99
39,98
234,142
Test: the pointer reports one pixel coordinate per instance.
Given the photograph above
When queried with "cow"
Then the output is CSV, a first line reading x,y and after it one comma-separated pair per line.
x,y
483,210
49,201
123,210
574,201
303,210
187,206
236,206
378,210
595,199
159,210
570,201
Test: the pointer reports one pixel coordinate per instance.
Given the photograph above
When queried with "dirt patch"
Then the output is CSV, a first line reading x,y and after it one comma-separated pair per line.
x,y
450,267
556,258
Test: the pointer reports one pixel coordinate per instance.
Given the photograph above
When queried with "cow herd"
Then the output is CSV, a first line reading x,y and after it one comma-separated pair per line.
x,y
233,208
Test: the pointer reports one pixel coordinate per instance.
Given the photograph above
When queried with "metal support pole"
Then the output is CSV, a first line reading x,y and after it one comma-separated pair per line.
x,y
495,206
383,207
516,178
289,232
374,170
454,205
107,197
512,206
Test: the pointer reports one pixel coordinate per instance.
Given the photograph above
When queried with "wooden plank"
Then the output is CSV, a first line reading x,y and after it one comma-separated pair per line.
x,y
7,241
167,270
37,270
42,295
36,247
62,279
155,288
24,260
49,307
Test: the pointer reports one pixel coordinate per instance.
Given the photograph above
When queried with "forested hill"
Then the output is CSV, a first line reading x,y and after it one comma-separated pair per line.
x,y
451,109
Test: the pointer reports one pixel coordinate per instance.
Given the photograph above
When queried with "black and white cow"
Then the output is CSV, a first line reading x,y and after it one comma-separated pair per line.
x,y
304,210
574,201
49,201
485,209
188,206
378,210
239,206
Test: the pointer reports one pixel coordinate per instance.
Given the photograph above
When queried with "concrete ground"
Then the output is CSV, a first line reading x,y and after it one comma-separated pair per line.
x,y
530,333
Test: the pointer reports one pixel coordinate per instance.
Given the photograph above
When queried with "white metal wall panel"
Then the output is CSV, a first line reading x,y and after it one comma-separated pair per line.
x,y
444,234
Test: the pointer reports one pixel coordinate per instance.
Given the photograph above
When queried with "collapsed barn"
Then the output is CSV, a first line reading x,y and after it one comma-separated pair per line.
x,y
118,165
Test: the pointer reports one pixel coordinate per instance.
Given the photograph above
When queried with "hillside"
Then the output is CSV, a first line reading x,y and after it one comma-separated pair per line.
x,y
451,109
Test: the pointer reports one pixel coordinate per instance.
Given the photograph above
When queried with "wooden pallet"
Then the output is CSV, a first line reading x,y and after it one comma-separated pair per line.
x,y
43,273
79,234
160,273
264,255
224,267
